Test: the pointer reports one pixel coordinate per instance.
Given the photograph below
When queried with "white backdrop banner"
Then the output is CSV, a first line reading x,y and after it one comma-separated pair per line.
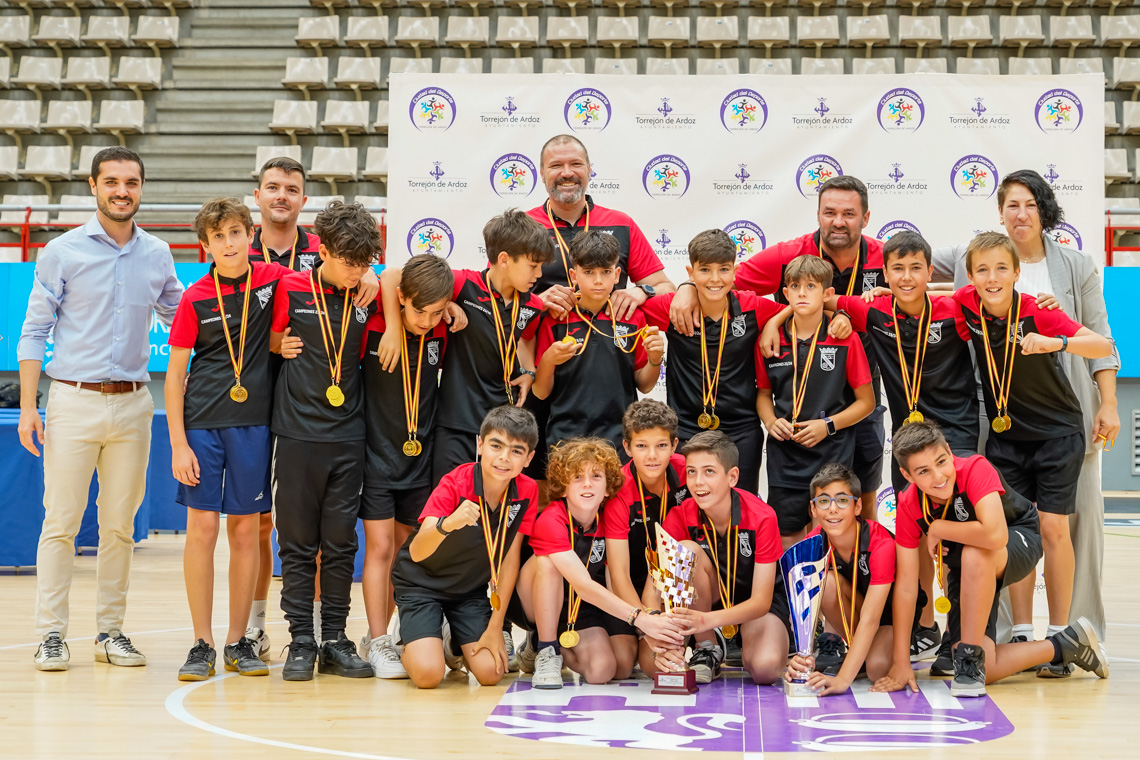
x,y
682,154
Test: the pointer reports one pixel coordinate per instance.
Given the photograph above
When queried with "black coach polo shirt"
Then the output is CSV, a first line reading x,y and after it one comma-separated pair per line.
x,y
302,257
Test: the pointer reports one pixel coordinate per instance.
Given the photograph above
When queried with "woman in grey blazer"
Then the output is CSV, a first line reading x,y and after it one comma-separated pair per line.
x,y
1077,286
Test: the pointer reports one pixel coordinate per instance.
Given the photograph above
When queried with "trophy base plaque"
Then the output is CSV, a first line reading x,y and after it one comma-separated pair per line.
x,y
793,689
681,682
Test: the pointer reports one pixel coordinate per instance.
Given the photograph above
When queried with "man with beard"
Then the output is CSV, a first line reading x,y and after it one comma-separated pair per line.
x,y
97,286
280,195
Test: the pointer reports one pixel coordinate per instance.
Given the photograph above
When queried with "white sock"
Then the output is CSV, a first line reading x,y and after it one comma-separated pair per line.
x,y
1024,629
1053,630
257,614
317,618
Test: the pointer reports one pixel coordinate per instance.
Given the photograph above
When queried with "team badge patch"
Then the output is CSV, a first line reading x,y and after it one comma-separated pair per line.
x,y
827,357
306,261
513,511
264,295
870,280
525,314
738,326
863,565
598,551
960,510
433,352
935,332
619,333
361,314
745,546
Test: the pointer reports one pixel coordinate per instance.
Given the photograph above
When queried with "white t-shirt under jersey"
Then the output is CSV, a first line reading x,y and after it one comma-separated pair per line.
x,y
1034,278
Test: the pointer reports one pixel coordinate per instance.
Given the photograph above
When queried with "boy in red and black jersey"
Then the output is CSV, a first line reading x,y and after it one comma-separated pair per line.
x,y
592,364
491,361
737,545
318,459
219,427
465,550
811,394
712,374
987,536
856,592
1038,439
397,468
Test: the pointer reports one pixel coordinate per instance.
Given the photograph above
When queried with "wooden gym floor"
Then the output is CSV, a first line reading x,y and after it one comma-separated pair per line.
x,y
99,711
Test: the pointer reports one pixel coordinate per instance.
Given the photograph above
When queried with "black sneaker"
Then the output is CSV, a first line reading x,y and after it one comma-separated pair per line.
x,y
301,660
706,661
1080,647
924,642
943,664
199,663
242,657
339,658
830,651
733,653
969,672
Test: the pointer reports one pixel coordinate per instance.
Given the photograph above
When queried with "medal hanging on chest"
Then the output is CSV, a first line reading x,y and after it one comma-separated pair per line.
x,y
728,582
799,383
650,553
618,340
848,627
570,637
913,382
238,392
1001,383
508,340
942,603
496,543
333,393
710,380
412,446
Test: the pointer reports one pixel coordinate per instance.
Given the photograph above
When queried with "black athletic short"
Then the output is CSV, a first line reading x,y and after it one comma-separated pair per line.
x,y
1023,552
1044,472
404,504
450,448
589,616
540,408
792,508
870,440
422,613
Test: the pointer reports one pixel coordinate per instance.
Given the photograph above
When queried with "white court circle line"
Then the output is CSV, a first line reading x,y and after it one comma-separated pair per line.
x,y
176,707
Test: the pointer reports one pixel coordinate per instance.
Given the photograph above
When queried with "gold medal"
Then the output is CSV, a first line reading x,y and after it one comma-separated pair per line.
x,y
714,423
335,395
496,603
1008,421
495,541
508,341
569,639
998,424
710,378
419,448
410,449
569,340
316,286
728,630
915,416
912,380
705,420
1002,382
238,393
942,605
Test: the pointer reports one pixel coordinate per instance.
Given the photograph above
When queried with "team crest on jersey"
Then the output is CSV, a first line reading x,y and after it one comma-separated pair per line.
x,y
512,510
525,314
433,353
1020,331
619,332
745,546
960,510
935,332
870,280
863,565
598,551
264,295
361,315
738,326
305,261
827,357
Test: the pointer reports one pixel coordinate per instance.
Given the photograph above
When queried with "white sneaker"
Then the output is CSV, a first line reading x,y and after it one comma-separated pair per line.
x,y
385,658
454,661
547,670
260,641
52,653
512,656
525,654
117,649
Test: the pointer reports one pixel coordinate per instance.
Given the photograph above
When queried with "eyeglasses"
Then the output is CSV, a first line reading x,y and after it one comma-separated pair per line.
x,y
842,501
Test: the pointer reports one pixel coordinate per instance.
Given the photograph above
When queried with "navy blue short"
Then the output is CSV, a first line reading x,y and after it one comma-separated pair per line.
x,y
233,468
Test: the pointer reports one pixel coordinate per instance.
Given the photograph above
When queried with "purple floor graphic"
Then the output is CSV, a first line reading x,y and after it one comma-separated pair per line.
x,y
735,715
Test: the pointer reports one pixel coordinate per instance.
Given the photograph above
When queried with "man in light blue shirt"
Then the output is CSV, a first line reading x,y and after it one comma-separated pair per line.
x,y
96,286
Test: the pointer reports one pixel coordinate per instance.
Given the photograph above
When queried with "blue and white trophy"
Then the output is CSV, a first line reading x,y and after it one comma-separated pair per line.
x,y
803,568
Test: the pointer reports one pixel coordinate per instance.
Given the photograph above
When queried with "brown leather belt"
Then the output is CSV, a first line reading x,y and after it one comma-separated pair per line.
x,y
112,387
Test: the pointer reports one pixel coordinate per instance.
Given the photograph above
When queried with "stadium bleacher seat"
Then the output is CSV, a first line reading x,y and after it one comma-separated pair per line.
x,y
1071,31
15,32
618,66
156,32
314,205
38,73
266,152
1115,165
5,71
468,32
409,66
462,65
358,74
121,118
318,32
1020,32
818,32
1034,66
1126,74
1081,66
88,73
367,32
969,32
19,117
821,66
567,33
512,65
69,117
1111,125
17,217
564,66
873,66
86,156
45,163
517,32
770,66
769,33
58,32
417,32
1130,119
718,33
668,32
306,74
75,217
1119,31
347,117
985,66
138,73
381,124
929,66
108,32
294,117
334,165
868,31
666,65
920,32
617,32
866,5
729,66
813,5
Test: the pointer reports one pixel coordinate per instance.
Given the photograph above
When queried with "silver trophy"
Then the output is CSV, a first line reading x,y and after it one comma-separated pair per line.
x,y
803,568
672,576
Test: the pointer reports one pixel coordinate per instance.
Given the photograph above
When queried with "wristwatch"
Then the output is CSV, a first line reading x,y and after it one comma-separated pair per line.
x,y
648,290
830,425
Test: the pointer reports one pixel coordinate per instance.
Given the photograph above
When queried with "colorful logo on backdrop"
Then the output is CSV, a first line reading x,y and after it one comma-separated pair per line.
x,y
665,176
897,182
432,108
814,171
669,113
436,180
1066,234
587,110
748,236
901,110
974,176
1059,111
513,176
744,111
509,112
898,225
432,236
980,115
821,115
1061,182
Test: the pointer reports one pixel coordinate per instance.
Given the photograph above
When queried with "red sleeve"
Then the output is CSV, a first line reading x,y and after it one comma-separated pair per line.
x,y
674,524
963,297
616,517
762,380
534,302
545,339
280,308
858,309
640,357
1049,323
642,260
907,533
184,328
529,491
858,372
882,562
444,498
461,278
656,310
765,308
761,272
981,479
768,545
551,531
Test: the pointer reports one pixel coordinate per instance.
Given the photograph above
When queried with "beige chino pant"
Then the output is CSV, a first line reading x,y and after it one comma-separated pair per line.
x,y
88,432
